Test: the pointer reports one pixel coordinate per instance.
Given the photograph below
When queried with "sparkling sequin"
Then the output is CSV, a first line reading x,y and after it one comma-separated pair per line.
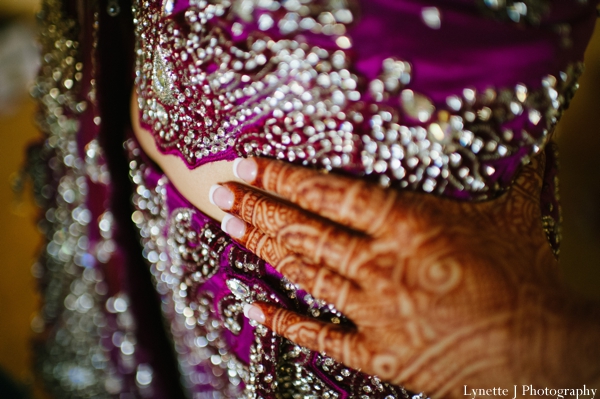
x,y
190,250
432,17
73,356
529,11
207,93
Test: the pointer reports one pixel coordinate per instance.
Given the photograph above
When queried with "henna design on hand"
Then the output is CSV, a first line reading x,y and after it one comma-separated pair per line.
x,y
442,293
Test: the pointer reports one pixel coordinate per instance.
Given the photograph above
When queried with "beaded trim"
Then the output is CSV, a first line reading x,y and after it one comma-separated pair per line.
x,y
232,78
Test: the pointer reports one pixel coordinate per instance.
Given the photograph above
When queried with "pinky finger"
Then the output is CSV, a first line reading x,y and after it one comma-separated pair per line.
x,y
334,340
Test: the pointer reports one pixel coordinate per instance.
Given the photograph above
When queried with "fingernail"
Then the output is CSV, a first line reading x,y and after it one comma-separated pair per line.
x,y
221,197
245,169
233,226
254,313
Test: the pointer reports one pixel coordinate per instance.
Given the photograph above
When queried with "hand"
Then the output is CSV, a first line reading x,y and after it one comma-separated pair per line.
x,y
442,293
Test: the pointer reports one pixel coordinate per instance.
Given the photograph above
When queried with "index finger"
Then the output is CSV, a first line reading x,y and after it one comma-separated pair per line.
x,y
351,202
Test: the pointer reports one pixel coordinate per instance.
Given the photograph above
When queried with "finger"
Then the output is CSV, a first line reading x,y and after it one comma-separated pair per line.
x,y
315,239
319,281
334,340
354,203
343,344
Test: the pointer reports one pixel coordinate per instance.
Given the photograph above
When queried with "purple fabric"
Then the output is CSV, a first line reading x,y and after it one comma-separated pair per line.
x,y
469,50
216,284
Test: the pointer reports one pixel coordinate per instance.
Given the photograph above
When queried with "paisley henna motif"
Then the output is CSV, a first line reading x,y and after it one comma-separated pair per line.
x,y
442,293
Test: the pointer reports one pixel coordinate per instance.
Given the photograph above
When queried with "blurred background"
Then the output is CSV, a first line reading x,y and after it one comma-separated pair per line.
x,y
19,239
578,136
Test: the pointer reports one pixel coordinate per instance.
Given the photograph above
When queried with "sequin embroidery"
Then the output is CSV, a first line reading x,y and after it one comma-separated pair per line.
x,y
236,78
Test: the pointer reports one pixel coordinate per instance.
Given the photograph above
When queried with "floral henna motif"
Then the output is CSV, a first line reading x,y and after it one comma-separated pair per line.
x,y
442,293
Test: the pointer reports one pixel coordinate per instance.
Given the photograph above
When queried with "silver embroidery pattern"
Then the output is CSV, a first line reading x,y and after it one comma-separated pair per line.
x,y
191,252
296,381
200,312
234,103
206,92
232,313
